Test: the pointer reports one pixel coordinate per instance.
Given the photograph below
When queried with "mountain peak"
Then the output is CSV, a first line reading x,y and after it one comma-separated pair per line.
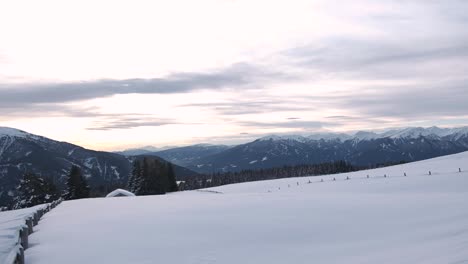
x,y
284,137
8,131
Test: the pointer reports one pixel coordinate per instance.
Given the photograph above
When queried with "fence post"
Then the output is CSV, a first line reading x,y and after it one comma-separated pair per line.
x,y
24,233
35,219
20,256
29,223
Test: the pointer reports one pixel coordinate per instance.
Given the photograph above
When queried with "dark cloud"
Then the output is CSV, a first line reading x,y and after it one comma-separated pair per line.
x,y
237,76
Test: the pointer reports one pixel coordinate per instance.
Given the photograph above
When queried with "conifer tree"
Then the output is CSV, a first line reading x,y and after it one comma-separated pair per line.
x,y
151,176
77,187
34,190
172,183
135,178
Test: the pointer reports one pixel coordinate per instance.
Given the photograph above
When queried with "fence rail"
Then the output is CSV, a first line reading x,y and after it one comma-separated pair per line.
x,y
25,228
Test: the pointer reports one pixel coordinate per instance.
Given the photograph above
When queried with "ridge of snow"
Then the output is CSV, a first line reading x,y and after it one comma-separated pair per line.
x,y
285,137
13,132
16,133
330,136
409,132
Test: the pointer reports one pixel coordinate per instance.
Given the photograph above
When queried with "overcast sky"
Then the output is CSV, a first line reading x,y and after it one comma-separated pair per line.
x,y
117,74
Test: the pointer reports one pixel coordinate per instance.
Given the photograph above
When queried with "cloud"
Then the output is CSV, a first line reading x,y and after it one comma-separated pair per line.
x,y
289,124
243,106
404,102
131,122
237,76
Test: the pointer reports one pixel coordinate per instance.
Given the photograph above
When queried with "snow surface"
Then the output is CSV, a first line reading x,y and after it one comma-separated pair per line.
x,y
119,192
10,224
420,218
7,131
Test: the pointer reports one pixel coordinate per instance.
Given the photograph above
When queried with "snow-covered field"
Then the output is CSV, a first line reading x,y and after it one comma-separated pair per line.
x,y
420,218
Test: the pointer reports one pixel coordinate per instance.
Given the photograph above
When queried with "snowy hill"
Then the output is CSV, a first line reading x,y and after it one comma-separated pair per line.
x,y
347,218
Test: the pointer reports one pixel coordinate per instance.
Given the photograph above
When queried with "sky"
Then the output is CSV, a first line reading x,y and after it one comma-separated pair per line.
x,y
119,74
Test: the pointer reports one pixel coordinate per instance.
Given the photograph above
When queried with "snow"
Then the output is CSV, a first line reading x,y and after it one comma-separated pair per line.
x,y
410,132
285,137
119,192
396,219
330,136
10,224
7,131
89,162
115,171
253,162
71,151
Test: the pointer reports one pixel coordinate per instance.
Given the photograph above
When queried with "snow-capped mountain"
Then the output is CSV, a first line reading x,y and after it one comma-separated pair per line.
x,y
362,148
142,151
22,152
190,154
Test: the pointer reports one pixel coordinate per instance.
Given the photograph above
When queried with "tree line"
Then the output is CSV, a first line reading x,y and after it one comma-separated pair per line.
x,y
149,176
152,176
218,179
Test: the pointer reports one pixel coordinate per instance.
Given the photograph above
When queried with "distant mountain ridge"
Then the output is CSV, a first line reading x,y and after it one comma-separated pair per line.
x,y
361,148
21,151
410,132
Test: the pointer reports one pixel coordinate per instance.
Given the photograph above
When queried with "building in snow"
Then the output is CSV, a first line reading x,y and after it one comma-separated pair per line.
x,y
120,193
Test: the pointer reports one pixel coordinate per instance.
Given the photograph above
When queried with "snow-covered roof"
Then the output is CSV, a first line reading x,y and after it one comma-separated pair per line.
x,y
120,192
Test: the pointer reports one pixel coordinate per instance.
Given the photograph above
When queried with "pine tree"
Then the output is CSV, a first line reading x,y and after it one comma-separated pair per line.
x,y
77,187
135,178
172,183
34,190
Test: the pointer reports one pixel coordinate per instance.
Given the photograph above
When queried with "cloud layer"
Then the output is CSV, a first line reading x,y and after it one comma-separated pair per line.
x,y
330,65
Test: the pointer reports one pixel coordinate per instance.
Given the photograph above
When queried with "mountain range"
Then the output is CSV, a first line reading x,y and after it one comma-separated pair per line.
x,y
362,149
22,152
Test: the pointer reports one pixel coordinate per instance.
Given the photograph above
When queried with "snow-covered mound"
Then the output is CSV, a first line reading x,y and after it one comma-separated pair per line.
x,y
119,193
346,218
